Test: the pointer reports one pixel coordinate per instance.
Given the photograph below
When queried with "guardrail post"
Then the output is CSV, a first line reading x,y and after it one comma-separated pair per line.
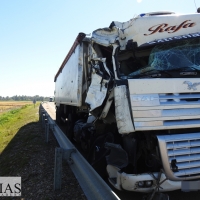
x,y
47,132
47,127
43,120
51,126
41,112
42,117
61,154
58,169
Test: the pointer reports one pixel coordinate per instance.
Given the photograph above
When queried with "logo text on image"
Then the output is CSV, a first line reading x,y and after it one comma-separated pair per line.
x,y
10,186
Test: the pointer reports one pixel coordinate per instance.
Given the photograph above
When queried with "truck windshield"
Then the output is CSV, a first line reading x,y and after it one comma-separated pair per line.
x,y
180,56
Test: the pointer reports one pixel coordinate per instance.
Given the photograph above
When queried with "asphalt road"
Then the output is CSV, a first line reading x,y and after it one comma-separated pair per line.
x,y
125,195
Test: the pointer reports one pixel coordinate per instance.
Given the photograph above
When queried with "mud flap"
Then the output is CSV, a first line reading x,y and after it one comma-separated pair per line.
x,y
117,157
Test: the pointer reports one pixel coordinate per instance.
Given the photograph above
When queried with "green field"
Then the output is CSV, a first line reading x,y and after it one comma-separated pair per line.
x,y
17,115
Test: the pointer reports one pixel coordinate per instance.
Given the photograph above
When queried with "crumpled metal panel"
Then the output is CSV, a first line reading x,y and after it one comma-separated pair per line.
x,y
122,111
105,36
97,92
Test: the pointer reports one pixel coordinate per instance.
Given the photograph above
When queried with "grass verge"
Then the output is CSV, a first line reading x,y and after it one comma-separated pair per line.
x,y
13,120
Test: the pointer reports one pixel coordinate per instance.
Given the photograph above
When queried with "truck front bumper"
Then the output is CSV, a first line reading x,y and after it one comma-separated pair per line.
x,y
132,182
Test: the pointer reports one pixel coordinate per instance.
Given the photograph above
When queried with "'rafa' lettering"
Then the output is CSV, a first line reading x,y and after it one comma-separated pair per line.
x,y
160,28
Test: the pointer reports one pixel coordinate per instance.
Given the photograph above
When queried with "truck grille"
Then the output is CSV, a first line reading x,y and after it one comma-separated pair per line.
x,y
165,111
184,150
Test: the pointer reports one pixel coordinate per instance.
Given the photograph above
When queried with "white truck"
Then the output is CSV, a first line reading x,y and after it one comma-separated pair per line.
x,y
129,94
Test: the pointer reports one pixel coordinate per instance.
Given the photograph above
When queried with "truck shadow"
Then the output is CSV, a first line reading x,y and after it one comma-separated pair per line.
x,y
28,156
28,140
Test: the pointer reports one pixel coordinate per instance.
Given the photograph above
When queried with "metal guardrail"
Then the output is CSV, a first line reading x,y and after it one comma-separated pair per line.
x,y
91,183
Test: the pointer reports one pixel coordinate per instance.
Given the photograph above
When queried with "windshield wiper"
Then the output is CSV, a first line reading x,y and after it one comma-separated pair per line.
x,y
152,74
188,73
181,72
166,74
173,72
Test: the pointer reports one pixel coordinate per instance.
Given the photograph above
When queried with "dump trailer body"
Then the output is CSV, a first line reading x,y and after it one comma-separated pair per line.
x,y
69,78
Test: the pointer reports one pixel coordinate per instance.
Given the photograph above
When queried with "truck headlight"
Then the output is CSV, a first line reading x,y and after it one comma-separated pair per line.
x,y
145,184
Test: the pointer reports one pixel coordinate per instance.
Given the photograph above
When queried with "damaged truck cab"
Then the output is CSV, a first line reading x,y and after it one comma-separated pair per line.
x,y
129,95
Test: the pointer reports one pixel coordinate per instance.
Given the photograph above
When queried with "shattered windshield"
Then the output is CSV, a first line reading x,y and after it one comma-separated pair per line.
x,y
181,56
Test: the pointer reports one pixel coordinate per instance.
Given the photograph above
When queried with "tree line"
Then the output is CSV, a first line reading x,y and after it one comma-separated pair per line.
x,y
24,98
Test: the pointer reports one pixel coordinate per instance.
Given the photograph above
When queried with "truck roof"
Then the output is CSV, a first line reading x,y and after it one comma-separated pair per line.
x,y
150,28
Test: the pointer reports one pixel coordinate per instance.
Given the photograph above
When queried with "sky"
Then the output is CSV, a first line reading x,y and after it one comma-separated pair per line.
x,y
36,35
